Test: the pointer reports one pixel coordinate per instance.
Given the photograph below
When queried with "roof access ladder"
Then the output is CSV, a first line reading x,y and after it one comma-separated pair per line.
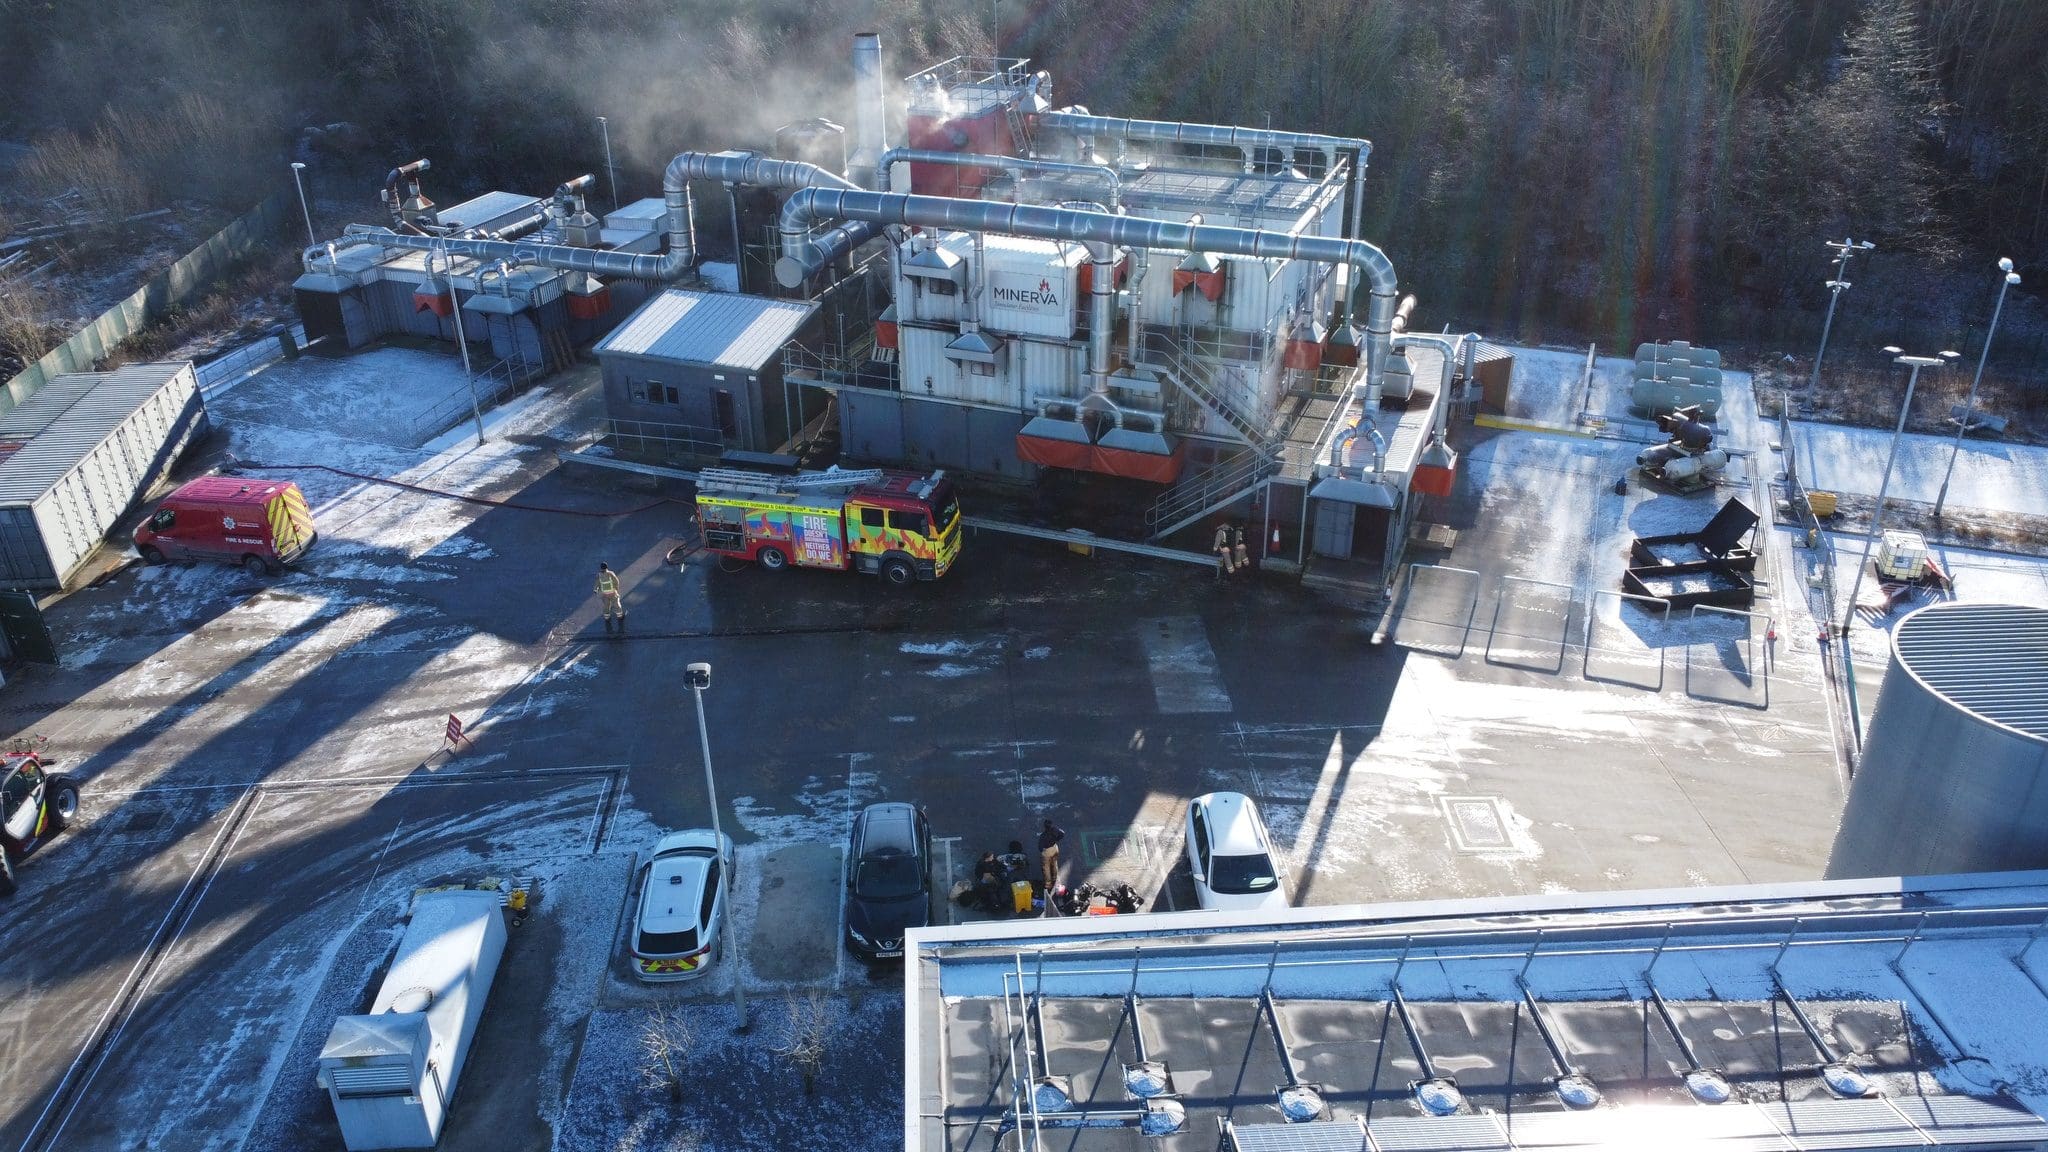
x,y
777,484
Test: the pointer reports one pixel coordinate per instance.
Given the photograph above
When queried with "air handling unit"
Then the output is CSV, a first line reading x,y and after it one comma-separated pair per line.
x,y
392,1073
1954,776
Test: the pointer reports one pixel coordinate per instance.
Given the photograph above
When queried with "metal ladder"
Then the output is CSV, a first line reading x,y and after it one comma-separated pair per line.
x,y
1018,132
768,483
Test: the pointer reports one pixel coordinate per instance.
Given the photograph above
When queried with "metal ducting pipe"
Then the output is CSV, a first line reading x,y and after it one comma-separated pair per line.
x,y
732,168
871,131
1101,312
805,208
1016,166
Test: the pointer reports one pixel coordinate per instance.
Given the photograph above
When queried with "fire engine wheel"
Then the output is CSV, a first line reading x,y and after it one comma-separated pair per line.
x,y
6,874
898,572
150,555
63,804
772,559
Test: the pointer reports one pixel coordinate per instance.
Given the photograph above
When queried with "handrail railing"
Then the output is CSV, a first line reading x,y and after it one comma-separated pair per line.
x,y
1196,375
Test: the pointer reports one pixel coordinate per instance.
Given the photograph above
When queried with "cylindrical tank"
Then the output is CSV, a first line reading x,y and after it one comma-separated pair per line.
x,y
1954,775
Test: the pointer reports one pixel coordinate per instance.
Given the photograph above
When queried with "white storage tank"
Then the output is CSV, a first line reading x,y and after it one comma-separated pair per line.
x,y
78,454
392,1074
1954,776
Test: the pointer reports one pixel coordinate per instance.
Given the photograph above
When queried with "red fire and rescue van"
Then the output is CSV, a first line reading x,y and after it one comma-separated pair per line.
x,y
902,525
260,524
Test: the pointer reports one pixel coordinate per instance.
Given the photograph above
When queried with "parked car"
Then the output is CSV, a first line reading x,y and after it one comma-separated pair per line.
x,y
262,525
677,930
888,878
35,805
1231,854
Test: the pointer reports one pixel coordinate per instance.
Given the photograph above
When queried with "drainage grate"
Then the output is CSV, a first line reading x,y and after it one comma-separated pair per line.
x,y
144,820
1478,823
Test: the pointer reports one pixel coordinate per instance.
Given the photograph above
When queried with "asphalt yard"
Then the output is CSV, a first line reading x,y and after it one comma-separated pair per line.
x,y
266,780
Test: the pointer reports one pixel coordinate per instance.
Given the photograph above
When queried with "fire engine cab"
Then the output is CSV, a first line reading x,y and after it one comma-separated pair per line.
x,y
902,525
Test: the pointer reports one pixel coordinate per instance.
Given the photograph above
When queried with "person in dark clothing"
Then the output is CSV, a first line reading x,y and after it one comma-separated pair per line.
x,y
1016,865
1049,837
991,883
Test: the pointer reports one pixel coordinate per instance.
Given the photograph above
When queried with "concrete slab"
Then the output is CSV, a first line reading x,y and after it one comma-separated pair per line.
x,y
1989,474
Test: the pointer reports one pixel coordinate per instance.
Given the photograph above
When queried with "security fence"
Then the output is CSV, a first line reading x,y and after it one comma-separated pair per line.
x,y
179,284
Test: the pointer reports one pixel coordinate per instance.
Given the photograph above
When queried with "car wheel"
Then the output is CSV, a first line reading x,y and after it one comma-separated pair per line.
x,y
898,572
151,554
63,803
254,565
772,559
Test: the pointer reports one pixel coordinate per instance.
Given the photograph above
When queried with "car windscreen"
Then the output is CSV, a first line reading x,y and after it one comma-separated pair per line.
x,y
1243,875
891,877
666,943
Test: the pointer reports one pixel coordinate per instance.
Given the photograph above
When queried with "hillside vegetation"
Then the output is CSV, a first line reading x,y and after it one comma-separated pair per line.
x,y
1605,170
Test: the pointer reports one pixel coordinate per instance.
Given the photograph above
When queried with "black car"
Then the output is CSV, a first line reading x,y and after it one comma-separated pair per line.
x,y
888,878
35,805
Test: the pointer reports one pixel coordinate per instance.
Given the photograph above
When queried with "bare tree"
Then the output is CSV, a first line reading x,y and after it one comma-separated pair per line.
x,y
806,1026
665,1041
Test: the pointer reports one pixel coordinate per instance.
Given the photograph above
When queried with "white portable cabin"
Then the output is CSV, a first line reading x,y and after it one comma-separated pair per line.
x,y
392,1074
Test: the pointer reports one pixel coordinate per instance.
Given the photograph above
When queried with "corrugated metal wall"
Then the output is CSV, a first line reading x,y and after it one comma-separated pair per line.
x,y
931,434
74,514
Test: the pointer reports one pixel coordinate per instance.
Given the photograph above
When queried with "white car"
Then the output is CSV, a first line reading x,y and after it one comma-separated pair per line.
x,y
1231,854
682,905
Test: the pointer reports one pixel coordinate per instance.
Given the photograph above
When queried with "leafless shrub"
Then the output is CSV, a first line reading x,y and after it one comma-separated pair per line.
x,y
806,1026
25,329
665,1042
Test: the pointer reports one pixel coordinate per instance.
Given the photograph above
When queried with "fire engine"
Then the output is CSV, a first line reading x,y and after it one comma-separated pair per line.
x,y
903,525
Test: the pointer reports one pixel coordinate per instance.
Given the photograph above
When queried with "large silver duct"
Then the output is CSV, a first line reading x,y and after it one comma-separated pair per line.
x,y
871,131
729,167
1080,123
805,208
1016,166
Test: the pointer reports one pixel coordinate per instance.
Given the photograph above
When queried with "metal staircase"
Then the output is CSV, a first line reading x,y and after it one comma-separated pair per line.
x,y
1197,496
1230,480
1165,352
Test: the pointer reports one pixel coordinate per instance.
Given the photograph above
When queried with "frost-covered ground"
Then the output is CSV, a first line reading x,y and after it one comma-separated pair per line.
x,y
1989,474
376,398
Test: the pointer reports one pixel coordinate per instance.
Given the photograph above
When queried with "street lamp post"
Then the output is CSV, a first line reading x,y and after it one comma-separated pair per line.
x,y
1970,405
1884,485
610,174
455,309
698,677
311,239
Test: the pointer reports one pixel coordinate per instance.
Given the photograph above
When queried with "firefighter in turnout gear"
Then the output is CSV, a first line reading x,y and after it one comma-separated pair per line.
x,y
1243,555
1224,564
608,593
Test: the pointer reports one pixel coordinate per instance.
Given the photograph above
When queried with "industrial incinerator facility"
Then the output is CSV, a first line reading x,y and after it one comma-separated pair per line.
x,y
1016,288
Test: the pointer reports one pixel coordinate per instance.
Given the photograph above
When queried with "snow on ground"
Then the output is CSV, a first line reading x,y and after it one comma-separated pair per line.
x,y
1985,577
1989,474
1549,387
379,397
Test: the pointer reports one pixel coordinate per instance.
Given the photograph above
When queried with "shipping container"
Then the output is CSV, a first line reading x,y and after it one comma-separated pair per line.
x,y
77,456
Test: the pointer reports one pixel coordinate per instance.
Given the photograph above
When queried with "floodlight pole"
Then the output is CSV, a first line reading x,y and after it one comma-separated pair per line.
x,y
698,682
1970,405
455,308
611,174
1877,521
313,241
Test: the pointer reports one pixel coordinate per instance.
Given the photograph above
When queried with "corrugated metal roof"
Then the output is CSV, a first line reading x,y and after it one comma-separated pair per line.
x,y
492,209
718,329
1990,660
72,415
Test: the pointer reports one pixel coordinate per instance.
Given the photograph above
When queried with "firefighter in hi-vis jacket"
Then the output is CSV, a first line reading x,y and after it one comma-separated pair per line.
x,y
608,592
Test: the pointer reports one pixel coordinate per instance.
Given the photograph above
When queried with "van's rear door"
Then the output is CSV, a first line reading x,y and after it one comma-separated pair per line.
x,y
291,524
